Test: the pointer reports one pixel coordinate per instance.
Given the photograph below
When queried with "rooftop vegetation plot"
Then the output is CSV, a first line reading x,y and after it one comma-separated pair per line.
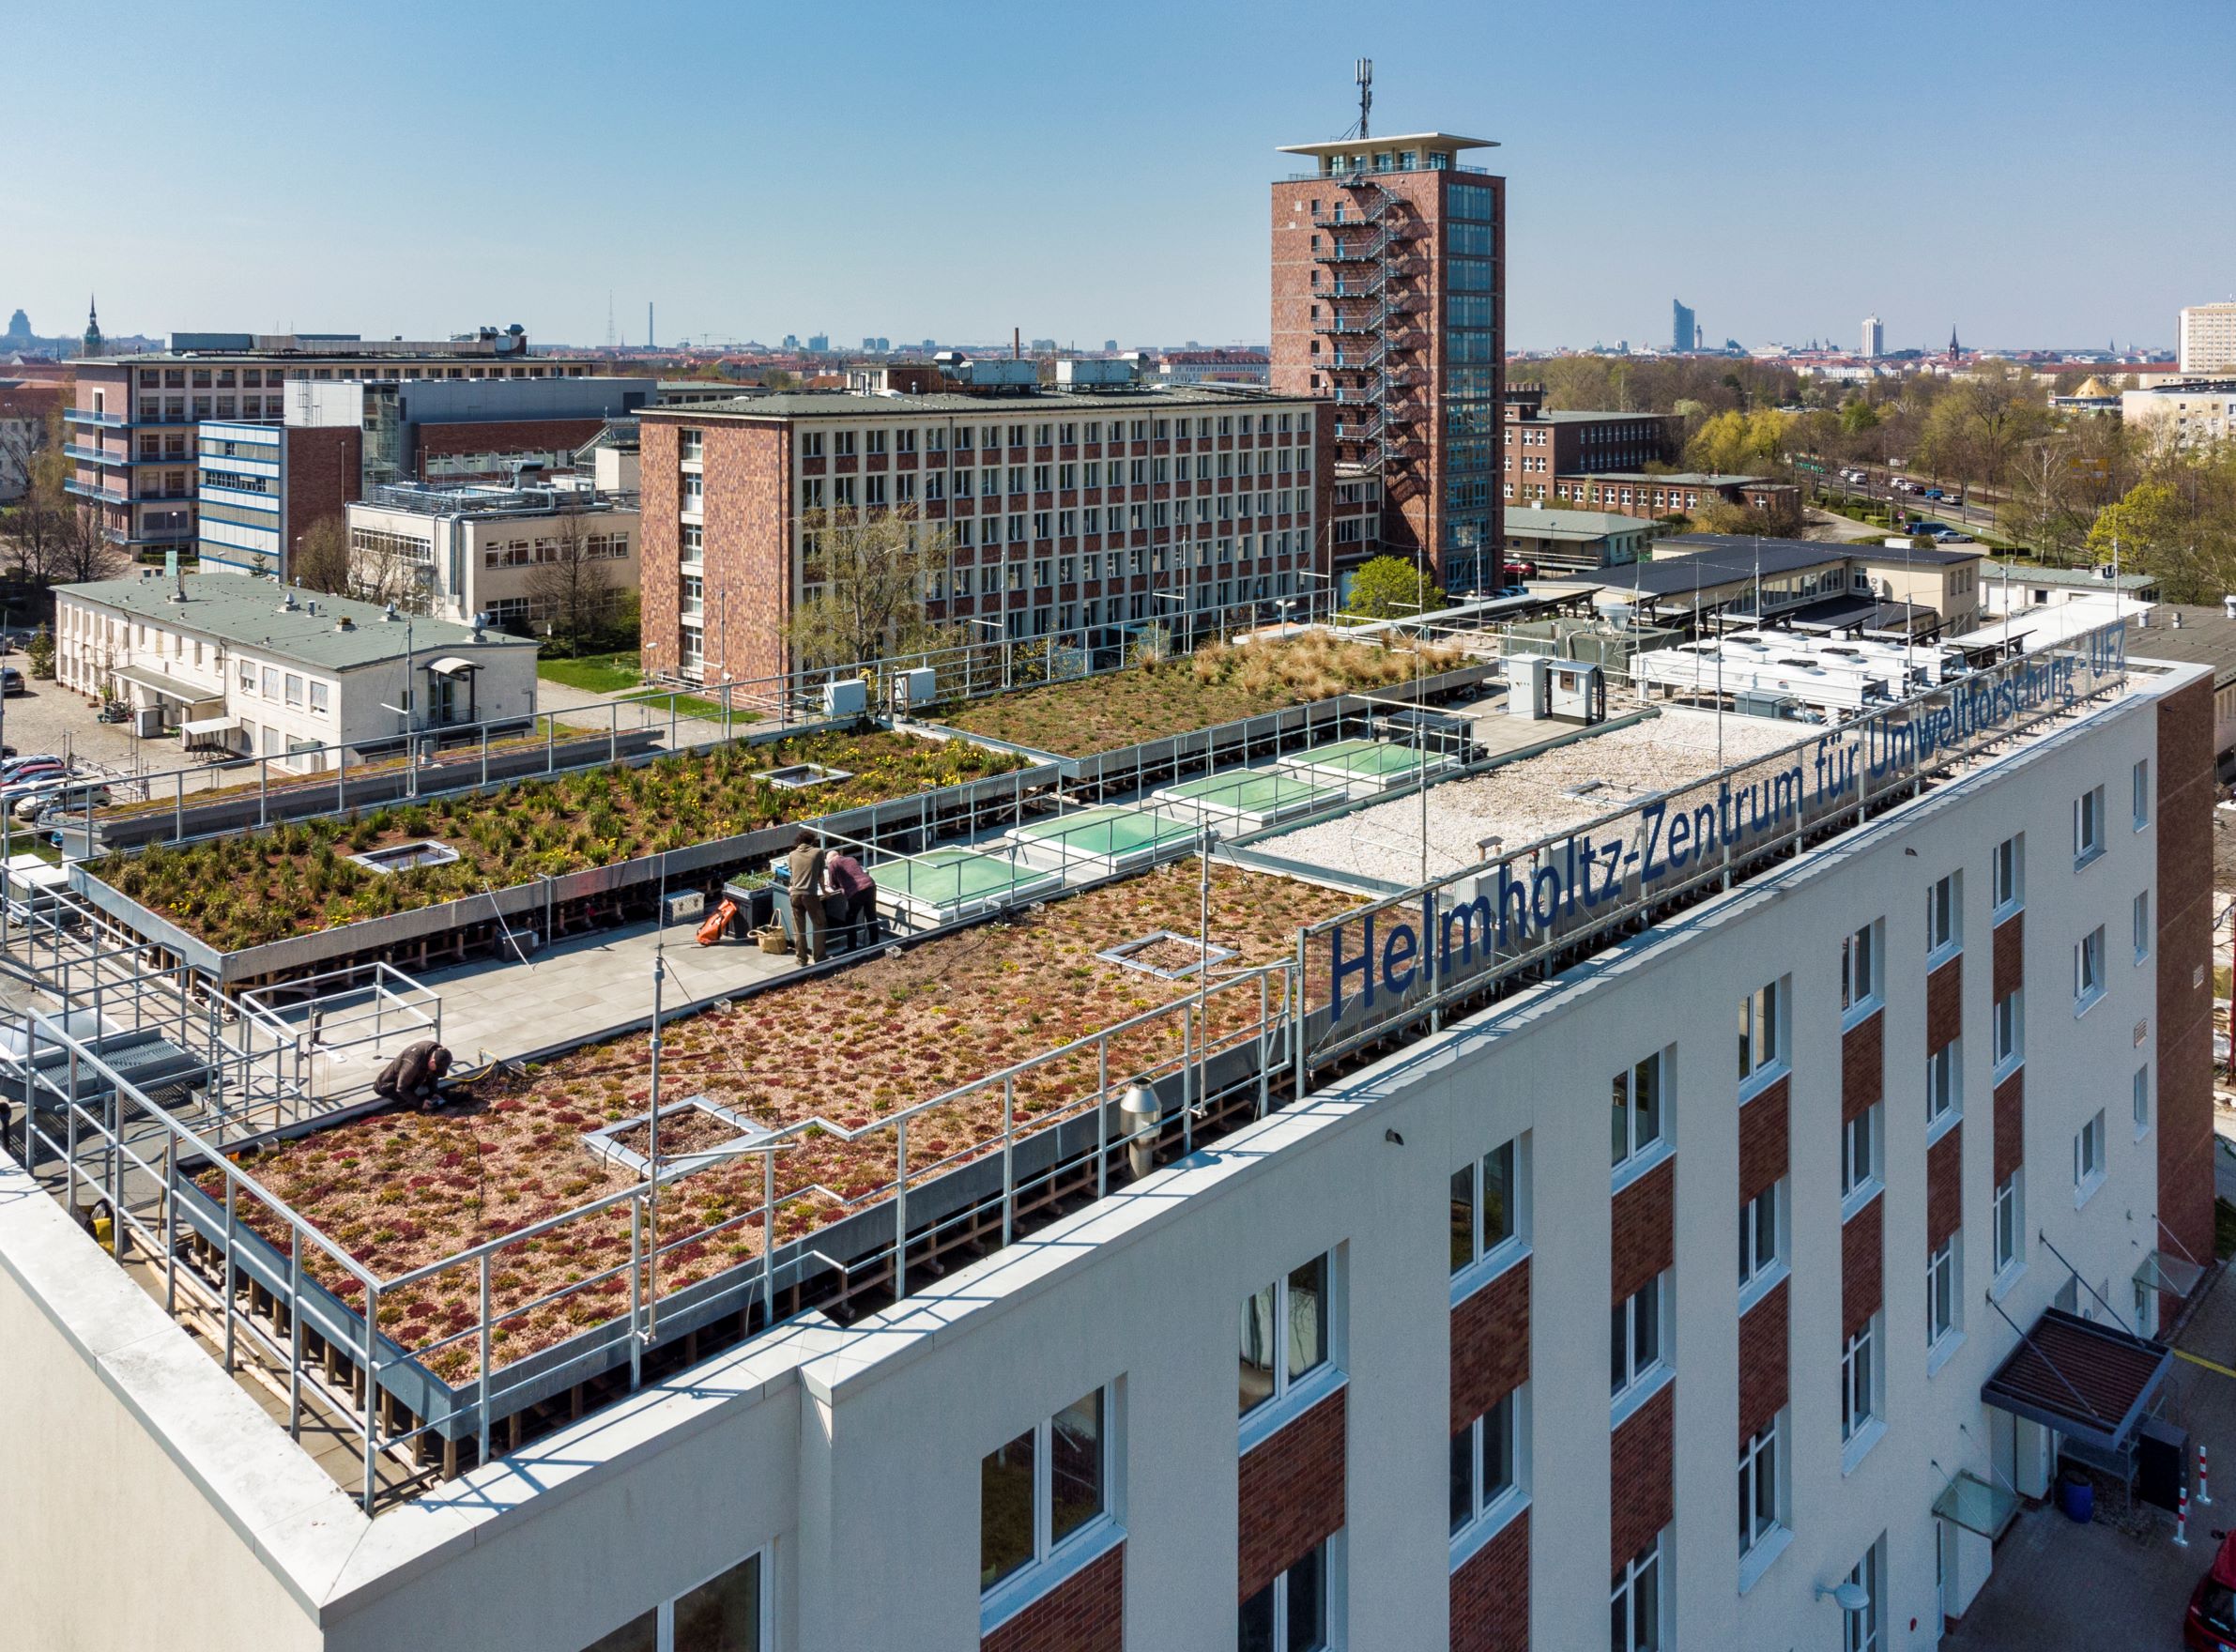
x,y
1221,683
243,891
400,1191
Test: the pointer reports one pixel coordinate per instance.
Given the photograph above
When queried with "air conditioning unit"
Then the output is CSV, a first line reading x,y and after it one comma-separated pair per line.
x,y
918,686
847,698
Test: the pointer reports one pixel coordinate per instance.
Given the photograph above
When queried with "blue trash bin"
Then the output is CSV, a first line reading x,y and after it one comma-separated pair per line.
x,y
2077,1497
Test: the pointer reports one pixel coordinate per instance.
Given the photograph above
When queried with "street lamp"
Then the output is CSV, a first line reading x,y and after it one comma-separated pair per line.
x,y
1001,636
1848,1595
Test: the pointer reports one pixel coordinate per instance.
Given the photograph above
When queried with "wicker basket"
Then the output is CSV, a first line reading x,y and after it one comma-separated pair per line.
x,y
771,938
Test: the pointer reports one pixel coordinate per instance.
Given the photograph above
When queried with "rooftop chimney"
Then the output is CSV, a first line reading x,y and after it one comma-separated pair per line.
x,y
2228,607
345,623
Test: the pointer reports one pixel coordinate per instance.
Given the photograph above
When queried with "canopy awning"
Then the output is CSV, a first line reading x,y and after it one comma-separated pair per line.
x,y
452,666
2092,1382
171,688
2161,1272
1976,1504
201,726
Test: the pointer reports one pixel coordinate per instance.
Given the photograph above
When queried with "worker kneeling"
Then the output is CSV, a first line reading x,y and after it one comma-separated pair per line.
x,y
416,1076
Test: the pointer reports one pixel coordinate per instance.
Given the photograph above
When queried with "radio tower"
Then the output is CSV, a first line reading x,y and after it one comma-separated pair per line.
x,y
1364,74
609,338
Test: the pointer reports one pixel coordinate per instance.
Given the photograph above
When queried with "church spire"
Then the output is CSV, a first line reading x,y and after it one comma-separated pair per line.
x,y
92,340
1954,350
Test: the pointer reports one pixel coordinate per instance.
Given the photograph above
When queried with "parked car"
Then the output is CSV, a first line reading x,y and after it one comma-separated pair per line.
x,y
2210,1624
35,773
1934,493
11,763
62,797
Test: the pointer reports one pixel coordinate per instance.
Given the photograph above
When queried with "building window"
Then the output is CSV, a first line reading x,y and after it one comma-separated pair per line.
x,y
1486,1208
1860,1632
2142,794
1289,1615
1859,1381
1859,1155
294,689
728,1612
1638,1106
1761,1508
1859,969
2088,1158
1042,1489
2142,1102
1940,1291
1941,915
811,444
1634,1337
1759,1240
1284,1334
2142,925
1761,1048
693,445
2010,874
318,699
248,676
2088,825
1486,1466
1944,1085
2010,1220
1635,1604
2010,1024
2088,968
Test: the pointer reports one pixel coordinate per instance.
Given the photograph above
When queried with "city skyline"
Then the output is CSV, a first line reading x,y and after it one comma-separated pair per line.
x,y
686,210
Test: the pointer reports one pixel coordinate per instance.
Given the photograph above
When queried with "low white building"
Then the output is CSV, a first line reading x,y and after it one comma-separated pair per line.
x,y
2188,411
245,667
504,552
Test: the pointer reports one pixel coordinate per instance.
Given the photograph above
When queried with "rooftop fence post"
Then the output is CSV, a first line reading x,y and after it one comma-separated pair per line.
x,y
1297,1028
170,1214
1008,1158
1264,1047
179,804
901,1213
613,732
484,753
635,1292
1188,1079
550,737
263,791
1102,1116
340,779
372,1385
481,1398
295,1331
768,1239
225,1296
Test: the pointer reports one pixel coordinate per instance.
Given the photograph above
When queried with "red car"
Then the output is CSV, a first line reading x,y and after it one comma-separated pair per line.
x,y
2210,1624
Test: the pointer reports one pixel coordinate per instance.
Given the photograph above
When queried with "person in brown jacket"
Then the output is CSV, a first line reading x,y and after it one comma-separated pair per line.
x,y
807,871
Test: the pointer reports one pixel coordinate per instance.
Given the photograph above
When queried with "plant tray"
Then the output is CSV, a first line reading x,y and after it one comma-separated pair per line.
x,y
1167,954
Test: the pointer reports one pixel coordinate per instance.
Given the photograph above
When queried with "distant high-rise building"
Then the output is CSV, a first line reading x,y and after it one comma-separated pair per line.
x,y
2208,342
1875,337
1110,345
792,341
819,342
1684,329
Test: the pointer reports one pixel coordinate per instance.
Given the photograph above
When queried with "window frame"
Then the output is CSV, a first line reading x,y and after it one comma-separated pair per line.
x,y
2143,1109
1329,1552
1856,1191
1641,1153
2008,874
663,1615
1642,1379
2089,965
1944,1089
1759,1269
1862,1388
1763,1014
2008,1226
2007,1033
2141,922
2088,826
1294,1391
1755,1529
1055,1558
1944,917
1488,1261
1869,940
2089,1167
1490,1509
1944,1315
1622,1595
2139,803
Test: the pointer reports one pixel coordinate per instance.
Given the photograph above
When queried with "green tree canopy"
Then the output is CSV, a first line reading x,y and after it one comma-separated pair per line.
x,y
1390,588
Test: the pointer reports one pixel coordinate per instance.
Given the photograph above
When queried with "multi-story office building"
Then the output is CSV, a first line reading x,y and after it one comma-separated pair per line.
x,y
512,554
1503,1299
2207,341
1673,493
2184,412
1090,513
133,419
26,408
1684,327
1875,337
1539,447
1389,302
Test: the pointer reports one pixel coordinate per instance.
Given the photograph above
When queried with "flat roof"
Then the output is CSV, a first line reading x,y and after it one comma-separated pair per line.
x,y
2029,574
1556,524
2206,636
853,404
1681,478
1577,416
243,608
1406,141
1706,566
1862,550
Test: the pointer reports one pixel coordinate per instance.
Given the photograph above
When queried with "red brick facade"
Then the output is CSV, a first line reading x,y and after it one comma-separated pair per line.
x,y
1763,1139
2009,955
1640,1489
497,439
1490,1595
1291,1495
1490,1345
2183,1096
1085,1612
1764,1375
1944,1186
1945,1006
1862,1265
2010,1125
1642,1220
325,472
1862,1066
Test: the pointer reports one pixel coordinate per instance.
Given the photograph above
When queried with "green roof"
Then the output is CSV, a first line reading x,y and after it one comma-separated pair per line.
x,y
246,610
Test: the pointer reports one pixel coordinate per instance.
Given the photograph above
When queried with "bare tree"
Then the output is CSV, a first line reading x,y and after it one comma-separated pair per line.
x,y
868,571
572,589
380,568
320,559
83,550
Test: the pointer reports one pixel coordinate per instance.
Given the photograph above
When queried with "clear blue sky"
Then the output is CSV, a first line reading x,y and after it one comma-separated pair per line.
x,y
2046,173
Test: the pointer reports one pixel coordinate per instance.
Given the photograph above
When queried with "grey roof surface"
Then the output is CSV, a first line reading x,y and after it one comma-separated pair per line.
x,y
238,608
2206,636
1862,550
1579,416
1698,565
1555,523
2029,574
846,405
1681,478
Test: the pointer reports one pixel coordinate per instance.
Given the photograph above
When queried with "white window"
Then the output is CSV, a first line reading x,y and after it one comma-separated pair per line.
x,y
271,682
1861,1631
2142,1101
729,1611
1940,1291
2088,825
294,689
319,692
1488,1218
1761,1508
1041,1490
1635,1604
1859,969
1488,1478
1762,1049
2010,1216
1942,914
1944,1083
1859,1154
1858,1380
2142,794
2009,873
1634,1341
2088,968
1639,1103
2142,925
1760,1245
1284,1334
2010,1023
693,445
1292,1612
248,676
2088,1158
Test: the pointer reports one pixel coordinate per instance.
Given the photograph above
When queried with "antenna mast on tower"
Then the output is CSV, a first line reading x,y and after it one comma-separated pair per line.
x,y
1365,75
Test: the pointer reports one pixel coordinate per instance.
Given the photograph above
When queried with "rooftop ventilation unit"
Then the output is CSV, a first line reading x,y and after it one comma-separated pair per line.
x,y
1095,375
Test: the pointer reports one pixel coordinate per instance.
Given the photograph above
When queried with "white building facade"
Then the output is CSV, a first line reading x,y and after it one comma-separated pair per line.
x,y
2208,337
503,552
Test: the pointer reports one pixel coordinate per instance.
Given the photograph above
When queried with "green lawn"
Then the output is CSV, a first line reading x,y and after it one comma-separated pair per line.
x,y
593,673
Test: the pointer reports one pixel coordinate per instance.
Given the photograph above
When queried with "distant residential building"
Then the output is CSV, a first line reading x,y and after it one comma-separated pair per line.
x,y
134,417
246,666
455,551
1540,446
875,345
2202,410
1251,367
1875,337
1931,590
24,410
1551,540
1674,493
1684,328
2208,342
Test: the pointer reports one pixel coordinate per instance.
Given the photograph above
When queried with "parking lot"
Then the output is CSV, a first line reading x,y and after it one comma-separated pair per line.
x,y
49,718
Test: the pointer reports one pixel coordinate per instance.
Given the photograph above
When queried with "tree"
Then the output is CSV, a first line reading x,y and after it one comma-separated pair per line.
x,y
1390,588
1738,444
33,532
1982,420
321,558
2049,508
868,571
41,654
572,591
2151,532
82,551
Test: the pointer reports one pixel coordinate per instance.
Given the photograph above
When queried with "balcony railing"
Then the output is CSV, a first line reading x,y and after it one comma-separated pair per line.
x,y
88,415
87,490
